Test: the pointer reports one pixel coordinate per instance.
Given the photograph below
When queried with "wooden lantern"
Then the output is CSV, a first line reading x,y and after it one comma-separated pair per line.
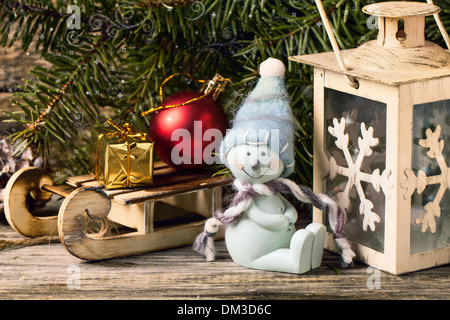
x,y
382,139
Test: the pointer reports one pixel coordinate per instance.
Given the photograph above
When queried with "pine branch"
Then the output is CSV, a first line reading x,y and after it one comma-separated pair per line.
x,y
123,50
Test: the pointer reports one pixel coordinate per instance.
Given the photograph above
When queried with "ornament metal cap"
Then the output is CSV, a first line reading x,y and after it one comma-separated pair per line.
x,y
217,84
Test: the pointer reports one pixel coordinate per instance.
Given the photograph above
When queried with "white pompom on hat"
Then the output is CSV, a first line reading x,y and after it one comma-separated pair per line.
x,y
272,67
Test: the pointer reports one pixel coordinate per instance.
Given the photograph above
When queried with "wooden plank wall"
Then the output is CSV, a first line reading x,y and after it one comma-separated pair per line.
x,y
15,64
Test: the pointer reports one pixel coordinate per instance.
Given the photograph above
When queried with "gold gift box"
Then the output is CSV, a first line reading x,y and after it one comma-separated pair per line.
x,y
121,158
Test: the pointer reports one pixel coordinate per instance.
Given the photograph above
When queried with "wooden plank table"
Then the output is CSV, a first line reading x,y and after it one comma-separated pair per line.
x,y
48,271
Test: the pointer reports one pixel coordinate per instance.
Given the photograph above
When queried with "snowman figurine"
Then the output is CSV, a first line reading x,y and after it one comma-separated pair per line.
x,y
259,152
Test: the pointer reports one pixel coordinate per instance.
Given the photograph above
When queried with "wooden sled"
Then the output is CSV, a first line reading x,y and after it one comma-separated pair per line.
x,y
168,214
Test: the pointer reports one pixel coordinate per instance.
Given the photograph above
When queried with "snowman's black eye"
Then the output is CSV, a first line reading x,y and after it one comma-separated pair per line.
x,y
263,153
249,153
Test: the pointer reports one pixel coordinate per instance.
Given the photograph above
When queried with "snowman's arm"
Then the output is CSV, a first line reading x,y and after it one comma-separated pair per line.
x,y
271,221
290,212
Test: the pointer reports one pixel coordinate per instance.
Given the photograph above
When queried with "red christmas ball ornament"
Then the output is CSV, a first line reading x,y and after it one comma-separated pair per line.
x,y
186,136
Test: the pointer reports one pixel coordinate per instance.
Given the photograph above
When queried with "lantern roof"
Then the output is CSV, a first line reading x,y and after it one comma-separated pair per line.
x,y
399,55
399,9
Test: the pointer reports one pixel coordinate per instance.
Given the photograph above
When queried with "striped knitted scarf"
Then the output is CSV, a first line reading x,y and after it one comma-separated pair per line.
x,y
204,243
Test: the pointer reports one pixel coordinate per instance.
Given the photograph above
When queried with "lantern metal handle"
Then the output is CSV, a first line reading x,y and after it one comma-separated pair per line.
x,y
350,80
441,27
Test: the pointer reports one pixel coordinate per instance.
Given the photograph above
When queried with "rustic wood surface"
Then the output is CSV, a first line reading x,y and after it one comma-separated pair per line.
x,y
48,271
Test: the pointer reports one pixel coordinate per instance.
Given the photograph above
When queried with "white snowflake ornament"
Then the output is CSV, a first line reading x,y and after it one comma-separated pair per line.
x,y
421,180
354,172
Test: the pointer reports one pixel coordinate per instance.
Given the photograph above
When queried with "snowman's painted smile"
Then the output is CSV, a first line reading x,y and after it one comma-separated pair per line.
x,y
243,169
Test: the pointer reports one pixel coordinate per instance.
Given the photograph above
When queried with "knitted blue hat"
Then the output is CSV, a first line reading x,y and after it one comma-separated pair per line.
x,y
265,117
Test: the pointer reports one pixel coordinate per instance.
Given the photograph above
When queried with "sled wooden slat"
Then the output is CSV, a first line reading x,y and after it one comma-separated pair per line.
x,y
88,180
183,186
162,175
78,181
167,181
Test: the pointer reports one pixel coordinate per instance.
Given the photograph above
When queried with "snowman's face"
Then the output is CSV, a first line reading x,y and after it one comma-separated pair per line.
x,y
254,163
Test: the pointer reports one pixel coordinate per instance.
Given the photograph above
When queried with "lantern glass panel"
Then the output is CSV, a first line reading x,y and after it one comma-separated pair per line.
x,y
434,201
345,187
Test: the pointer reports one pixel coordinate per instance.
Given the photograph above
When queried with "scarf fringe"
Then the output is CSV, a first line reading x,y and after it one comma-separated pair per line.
x,y
204,242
